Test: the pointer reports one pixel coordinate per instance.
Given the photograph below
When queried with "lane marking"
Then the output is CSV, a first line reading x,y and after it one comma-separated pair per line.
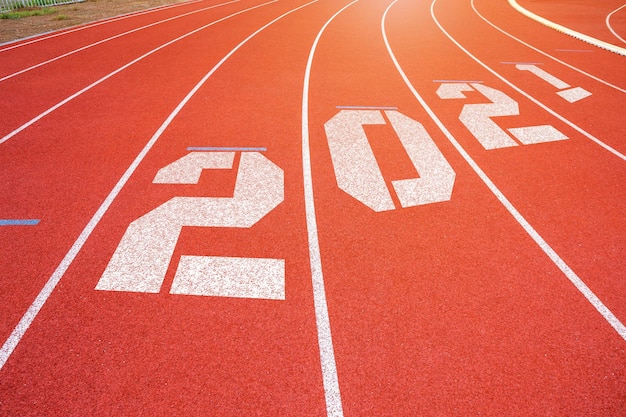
x,y
521,63
120,69
608,24
528,96
545,247
222,149
366,108
559,28
32,67
19,222
573,50
546,54
61,32
458,81
332,394
31,313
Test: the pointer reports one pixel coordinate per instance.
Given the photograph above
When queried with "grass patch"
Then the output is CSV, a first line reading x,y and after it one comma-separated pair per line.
x,y
22,13
61,17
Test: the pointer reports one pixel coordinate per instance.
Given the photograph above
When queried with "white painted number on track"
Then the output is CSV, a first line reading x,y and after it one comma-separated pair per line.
x,y
142,257
568,93
359,175
477,118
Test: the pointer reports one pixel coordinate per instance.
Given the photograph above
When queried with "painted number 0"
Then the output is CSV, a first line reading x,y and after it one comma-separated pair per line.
x,y
142,257
359,175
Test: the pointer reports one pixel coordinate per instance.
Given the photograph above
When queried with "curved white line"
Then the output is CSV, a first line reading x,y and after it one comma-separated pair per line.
x,y
528,96
18,333
586,38
6,77
546,54
55,33
545,247
608,24
120,69
324,337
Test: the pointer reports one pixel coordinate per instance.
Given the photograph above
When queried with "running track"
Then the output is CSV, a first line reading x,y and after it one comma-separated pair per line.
x,y
291,208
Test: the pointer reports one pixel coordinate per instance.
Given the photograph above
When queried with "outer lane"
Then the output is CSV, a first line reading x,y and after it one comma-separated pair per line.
x,y
449,308
584,17
596,61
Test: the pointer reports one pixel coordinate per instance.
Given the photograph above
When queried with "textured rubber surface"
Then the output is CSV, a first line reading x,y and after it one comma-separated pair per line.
x,y
503,297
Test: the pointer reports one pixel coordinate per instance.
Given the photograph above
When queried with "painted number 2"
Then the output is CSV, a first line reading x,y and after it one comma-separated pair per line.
x,y
142,257
477,117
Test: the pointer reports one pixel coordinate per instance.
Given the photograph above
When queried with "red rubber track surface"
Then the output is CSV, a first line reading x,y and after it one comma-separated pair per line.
x,y
443,309
587,17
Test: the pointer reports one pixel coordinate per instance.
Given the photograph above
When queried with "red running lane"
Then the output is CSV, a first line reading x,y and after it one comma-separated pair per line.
x,y
51,49
570,203
599,62
156,354
587,17
61,169
448,308
20,43
48,87
441,309
505,55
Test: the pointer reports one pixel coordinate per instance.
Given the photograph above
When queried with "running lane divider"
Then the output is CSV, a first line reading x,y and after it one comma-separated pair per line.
x,y
528,96
324,337
545,247
608,23
42,37
119,35
16,335
122,68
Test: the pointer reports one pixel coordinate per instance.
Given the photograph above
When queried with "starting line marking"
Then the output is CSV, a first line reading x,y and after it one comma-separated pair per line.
x,y
218,149
20,222
366,108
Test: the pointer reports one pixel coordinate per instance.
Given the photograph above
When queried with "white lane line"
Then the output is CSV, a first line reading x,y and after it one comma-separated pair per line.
x,y
528,96
6,77
334,407
120,69
16,335
559,28
548,55
56,33
545,247
608,23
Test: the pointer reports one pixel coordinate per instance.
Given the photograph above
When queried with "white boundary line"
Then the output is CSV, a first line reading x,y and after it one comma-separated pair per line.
x,y
83,26
581,36
608,24
16,335
534,235
528,96
120,69
546,54
119,35
332,394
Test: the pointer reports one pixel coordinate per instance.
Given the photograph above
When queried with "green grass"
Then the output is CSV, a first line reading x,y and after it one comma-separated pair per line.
x,y
22,13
